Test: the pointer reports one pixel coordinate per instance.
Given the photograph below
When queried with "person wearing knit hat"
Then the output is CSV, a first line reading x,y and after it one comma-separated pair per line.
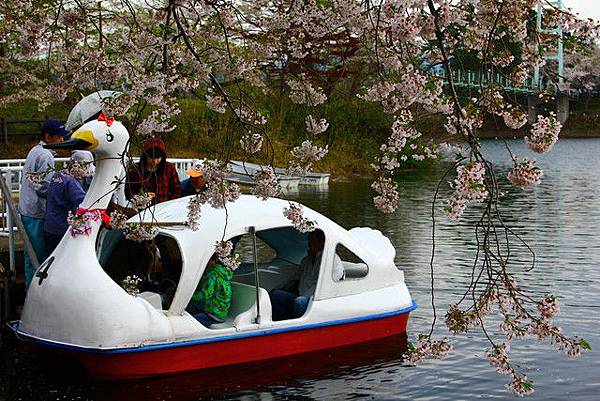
x,y
153,175
196,183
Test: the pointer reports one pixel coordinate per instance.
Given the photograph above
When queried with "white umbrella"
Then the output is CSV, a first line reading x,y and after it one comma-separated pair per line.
x,y
88,107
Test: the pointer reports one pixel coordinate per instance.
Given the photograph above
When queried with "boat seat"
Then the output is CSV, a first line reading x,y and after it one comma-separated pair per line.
x,y
224,325
355,270
152,298
270,276
249,316
243,306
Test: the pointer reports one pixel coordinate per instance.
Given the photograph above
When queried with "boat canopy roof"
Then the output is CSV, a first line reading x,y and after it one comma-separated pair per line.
x,y
267,218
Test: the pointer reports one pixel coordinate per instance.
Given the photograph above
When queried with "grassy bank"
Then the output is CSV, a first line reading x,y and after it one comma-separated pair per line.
x,y
356,131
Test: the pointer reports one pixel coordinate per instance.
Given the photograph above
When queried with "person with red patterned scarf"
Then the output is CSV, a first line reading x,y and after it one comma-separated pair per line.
x,y
153,175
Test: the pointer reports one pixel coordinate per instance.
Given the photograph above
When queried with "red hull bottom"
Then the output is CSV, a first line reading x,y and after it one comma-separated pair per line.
x,y
177,359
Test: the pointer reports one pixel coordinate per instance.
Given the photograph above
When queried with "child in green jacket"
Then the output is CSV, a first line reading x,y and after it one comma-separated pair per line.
x,y
212,298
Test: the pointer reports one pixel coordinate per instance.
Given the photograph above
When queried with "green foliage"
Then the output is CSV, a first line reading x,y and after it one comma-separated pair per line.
x,y
28,110
584,344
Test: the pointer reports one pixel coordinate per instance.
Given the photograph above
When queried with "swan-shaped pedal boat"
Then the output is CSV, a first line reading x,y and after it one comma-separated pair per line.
x,y
76,305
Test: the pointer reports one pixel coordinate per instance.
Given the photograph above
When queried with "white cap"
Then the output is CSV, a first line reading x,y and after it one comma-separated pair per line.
x,y
88,107
84,156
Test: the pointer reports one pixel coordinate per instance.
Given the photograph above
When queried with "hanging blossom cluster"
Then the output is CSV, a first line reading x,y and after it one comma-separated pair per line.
x,y
252,142
224,251
514,118
544,133
194,211
265,184
80,222
131,284
216,103
306,155
303,92
295,214
141,201
525,173
135,231
316,126
469,188
392,151
386,199
118,220
141,232
35,177
460,321
425,348
218,192
518,320
498,357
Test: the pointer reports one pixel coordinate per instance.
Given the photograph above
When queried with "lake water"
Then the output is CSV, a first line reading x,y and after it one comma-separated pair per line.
x,y
560,219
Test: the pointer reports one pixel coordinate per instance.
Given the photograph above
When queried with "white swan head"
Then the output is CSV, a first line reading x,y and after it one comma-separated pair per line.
x,y
98,137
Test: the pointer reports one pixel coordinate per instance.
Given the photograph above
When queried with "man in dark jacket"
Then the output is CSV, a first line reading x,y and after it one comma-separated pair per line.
x,y
153,174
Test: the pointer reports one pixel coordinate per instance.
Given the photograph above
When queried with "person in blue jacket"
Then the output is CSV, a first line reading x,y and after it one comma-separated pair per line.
x,y
65,193
196,183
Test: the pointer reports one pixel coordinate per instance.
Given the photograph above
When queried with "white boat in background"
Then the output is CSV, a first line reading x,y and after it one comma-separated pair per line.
x,y
242,172
311,178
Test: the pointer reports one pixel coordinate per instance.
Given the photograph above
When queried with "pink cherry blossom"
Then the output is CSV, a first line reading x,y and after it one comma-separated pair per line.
x,y
544,133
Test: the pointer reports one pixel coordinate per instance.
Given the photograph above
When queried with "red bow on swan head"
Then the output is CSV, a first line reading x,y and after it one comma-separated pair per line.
x,y
108,120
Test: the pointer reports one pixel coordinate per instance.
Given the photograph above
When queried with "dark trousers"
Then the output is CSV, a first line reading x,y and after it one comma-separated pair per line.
x,y
287,305
51,241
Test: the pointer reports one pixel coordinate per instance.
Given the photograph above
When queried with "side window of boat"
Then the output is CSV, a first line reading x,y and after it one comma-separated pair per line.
x,y
347,262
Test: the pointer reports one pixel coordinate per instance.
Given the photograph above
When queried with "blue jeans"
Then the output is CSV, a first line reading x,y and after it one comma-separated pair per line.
x,y
287,305
35,231
205,320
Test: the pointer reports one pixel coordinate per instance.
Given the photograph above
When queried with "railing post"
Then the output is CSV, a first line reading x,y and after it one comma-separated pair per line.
x,y
7,193
8,276
10,226
4,125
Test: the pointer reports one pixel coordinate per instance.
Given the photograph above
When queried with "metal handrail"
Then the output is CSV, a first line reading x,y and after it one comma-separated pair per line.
x,y
252,231
14,217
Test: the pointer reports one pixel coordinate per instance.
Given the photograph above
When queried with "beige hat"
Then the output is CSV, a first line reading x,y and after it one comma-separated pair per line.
x,y
196,169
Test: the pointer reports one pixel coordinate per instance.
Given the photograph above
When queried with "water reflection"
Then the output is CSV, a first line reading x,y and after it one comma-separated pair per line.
x,y
560,219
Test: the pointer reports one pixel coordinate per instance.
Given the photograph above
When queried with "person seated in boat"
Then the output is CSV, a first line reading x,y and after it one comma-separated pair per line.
x,y
212,299
153,174
163,268
292,301
196,183
65,194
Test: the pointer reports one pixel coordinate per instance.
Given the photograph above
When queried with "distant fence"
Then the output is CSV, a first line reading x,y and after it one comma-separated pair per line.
x,y
20,128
